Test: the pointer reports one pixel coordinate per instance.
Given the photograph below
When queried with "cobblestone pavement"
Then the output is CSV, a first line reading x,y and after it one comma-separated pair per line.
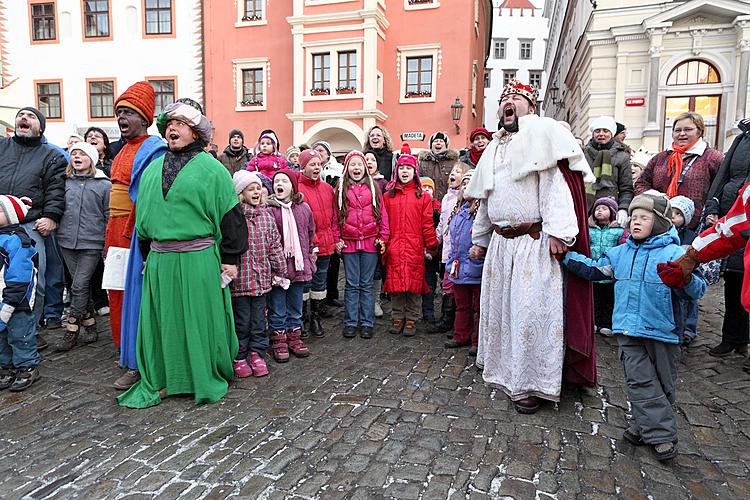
x,y
390,417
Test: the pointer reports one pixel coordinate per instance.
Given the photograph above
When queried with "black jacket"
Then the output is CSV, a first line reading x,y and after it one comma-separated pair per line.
x,y
732,175
30,168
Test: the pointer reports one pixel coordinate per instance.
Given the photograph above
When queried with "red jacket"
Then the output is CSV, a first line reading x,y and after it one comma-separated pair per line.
x,y
412,231
726,237
319,196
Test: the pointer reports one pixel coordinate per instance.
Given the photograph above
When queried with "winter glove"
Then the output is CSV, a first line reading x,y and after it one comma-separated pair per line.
x,y
622,218
671,274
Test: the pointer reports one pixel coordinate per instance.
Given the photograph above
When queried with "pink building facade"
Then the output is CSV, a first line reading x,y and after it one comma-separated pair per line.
x,y
331,69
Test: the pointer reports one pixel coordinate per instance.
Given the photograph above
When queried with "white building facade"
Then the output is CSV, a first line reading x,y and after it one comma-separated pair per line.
x,y
72,58
645,62
519,40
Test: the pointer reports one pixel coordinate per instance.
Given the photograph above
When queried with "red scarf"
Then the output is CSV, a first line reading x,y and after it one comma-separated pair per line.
x,y
475,154
674,166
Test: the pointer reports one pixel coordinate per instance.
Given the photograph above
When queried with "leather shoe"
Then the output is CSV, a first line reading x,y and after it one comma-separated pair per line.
x,y
725,349
453,344
334,303
366,332
527,406
350,332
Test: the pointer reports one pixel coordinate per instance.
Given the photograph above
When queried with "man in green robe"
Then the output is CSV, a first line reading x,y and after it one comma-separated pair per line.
x,y
191,232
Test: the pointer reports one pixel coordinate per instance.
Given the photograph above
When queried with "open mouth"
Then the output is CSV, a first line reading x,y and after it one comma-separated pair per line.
x,y
24,126
173,136
509,111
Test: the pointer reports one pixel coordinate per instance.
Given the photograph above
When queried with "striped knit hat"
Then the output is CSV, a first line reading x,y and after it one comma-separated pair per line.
x,y
139,97
15,208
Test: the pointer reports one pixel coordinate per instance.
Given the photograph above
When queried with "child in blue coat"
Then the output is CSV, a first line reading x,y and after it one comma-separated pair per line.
x,y
644,318
19,357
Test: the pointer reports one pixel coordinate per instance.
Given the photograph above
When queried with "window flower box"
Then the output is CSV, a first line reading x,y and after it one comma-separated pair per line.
x,y
316,91
251,102
346,90
418,95
254,17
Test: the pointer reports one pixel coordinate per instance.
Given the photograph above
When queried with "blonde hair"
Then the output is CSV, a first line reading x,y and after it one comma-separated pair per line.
x,y
386,138
696,118
69,170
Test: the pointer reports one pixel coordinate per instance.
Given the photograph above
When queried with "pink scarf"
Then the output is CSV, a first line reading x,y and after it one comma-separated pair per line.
x,y
292,247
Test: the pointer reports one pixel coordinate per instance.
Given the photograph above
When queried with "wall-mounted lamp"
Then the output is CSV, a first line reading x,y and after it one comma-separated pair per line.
x,y
456,110
553,94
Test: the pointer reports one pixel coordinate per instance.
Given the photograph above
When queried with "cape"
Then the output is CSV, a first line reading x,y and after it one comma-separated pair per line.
x,y
151,149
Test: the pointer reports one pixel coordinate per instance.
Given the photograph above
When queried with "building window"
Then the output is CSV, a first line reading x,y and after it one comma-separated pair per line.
x,y
253,10
164,92
693,72
499,49
321,84
487,78
49,99
102,99
158,17
96,18
43,22
508,76
252,87
419,76
347,72
525,49
535,79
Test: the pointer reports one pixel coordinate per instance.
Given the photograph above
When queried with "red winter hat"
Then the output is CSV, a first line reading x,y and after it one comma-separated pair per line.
x,y
307,155
406,158
139,97
480,131
293,176
15,208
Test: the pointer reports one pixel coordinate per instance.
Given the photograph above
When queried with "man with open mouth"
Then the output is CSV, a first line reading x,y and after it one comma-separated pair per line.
x,y
533,208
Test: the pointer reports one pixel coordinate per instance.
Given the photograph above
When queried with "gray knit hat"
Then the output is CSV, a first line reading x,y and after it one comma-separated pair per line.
x,y
684,205
661,208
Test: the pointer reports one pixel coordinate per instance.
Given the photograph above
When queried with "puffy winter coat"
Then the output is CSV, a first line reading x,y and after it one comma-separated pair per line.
x,y
235,160
266,164
604,238
84,222
621,188
19,261
264,258
360,229
695,184
438,168
644,305
732,175
411,232
319,196
30,168
469,271
306,230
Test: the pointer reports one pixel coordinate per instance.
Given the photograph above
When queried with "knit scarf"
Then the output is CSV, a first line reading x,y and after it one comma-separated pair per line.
x,y
475,154
674,166
292,247
602,169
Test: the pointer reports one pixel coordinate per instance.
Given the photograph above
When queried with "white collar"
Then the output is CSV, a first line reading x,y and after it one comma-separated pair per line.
x,y
698,148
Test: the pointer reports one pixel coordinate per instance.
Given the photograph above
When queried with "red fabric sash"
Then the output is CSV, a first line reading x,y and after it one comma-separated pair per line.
x,y
580,353
674,166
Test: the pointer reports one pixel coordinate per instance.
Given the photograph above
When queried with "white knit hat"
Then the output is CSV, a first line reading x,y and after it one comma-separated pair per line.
x,y
243,178
87,148
15,208
605,122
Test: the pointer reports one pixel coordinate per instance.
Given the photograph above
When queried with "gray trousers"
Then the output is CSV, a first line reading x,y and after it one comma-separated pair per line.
x,y
406,305
81,264
651,375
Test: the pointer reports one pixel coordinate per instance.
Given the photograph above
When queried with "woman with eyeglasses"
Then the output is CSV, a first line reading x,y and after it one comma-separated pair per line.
x,y
686,168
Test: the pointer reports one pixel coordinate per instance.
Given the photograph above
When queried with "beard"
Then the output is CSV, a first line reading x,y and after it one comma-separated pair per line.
x,y
509,127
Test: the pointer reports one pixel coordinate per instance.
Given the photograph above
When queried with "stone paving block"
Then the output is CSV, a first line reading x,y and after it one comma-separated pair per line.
x,y
403,490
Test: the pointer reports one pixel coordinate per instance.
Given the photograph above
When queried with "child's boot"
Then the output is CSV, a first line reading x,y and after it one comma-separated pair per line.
x,y
279,346
24,378
377,287
70,337
296,345
410,328
89,334
7,376
396,327
258,365
241,368
316,329
305,319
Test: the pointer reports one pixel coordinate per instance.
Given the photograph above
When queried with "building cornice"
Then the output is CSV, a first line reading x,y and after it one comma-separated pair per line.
x,y
339,115
338,17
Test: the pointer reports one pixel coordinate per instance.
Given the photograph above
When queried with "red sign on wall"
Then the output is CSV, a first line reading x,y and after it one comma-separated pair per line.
x,y
635,101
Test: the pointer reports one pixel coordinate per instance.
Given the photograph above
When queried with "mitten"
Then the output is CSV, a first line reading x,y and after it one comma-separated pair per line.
x,y
6,311
688,263
671,275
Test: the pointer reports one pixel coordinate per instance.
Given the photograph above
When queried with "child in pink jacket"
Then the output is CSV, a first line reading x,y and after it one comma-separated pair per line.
x,y
267,159
361,234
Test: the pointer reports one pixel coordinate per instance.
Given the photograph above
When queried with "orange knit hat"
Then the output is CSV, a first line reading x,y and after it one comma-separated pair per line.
x,y
139,97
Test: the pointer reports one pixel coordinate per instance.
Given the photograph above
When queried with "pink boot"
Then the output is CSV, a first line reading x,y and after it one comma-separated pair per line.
x,y
295,343
279,346
258,365
241,368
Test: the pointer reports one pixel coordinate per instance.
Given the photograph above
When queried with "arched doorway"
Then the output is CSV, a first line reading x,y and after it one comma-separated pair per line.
x,y
697,85
341,139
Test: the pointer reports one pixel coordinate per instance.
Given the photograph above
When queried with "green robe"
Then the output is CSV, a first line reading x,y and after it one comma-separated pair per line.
x,y
186,340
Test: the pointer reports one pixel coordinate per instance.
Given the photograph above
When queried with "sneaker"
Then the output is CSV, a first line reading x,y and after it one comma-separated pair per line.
x,y
258,365
103,311
24,378
665,451
41,343
127,379
7,376
410,328
350,332
52,324
241,368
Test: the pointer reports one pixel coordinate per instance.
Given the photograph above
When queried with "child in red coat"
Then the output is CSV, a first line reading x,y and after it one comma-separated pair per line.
x,y
412,231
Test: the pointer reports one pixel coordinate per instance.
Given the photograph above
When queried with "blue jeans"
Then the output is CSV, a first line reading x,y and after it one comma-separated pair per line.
x,y
54,278
250,324
18,342
285,307
41,268
317,285
690,318
359,299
